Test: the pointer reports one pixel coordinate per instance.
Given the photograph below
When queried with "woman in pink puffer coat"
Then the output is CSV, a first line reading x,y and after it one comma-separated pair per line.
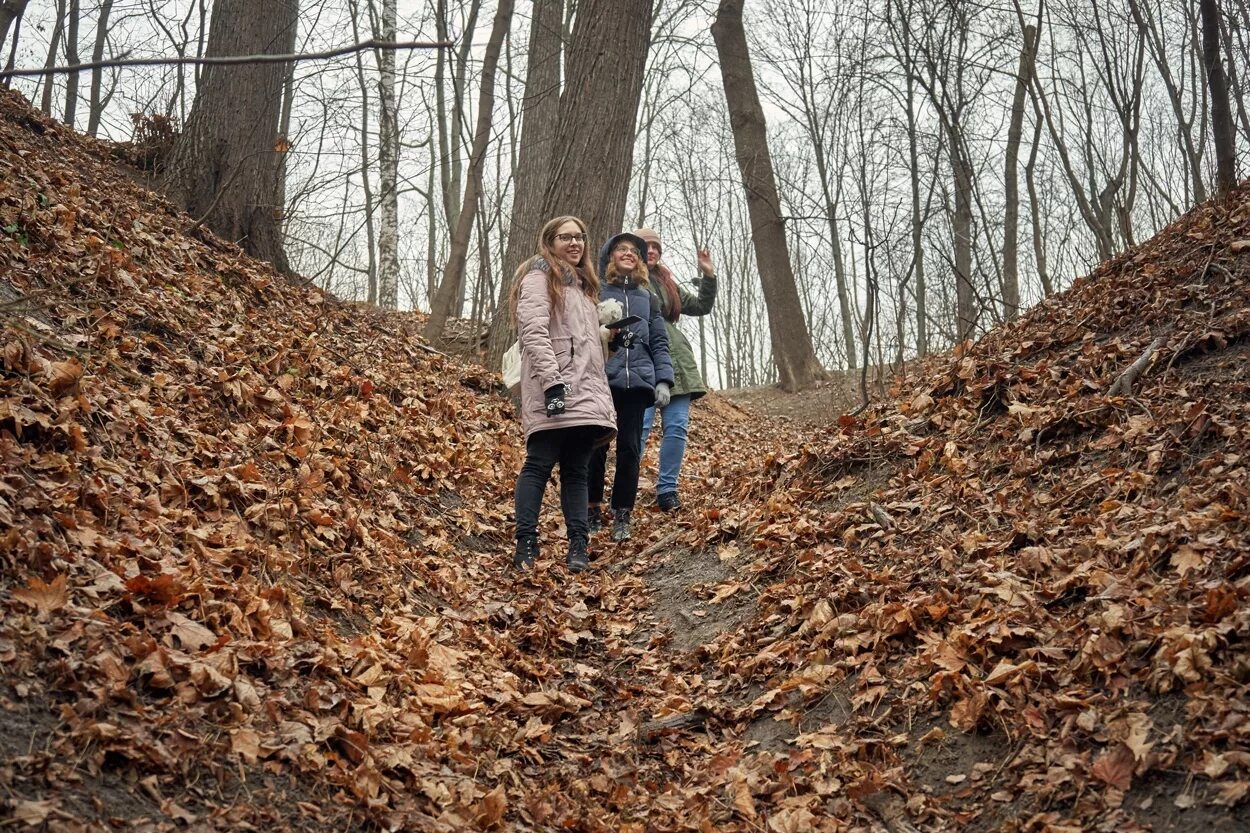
x,y
566,406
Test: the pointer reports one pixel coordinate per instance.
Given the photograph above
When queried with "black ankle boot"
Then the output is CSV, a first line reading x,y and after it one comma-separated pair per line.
x,y
620,525
578,560
526,552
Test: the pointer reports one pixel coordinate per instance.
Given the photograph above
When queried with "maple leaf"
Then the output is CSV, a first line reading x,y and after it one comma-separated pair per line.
x,y
1114,767
966,713
743,802
491,809
64,376
45,597
1186,559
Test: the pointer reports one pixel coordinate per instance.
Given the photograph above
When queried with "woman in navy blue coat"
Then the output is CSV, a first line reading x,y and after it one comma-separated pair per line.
x,y
639,376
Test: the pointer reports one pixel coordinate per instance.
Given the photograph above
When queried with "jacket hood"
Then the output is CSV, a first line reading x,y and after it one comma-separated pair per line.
x,y
606,251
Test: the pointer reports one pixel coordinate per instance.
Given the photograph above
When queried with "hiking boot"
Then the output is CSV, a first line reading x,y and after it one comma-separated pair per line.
x,y
667,501
620,526
594,520
578,561
526,552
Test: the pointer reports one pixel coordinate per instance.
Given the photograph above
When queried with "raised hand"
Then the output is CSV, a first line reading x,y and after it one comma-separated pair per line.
x,y
705,262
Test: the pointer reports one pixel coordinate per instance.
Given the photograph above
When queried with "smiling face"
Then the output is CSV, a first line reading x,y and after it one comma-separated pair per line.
x,y
569,243
625,257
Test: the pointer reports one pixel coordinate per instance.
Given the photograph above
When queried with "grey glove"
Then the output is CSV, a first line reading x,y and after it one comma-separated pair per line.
x,y
663,393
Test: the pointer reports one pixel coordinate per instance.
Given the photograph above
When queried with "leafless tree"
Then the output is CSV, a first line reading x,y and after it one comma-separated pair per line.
x,y
451,286
224,166
796,361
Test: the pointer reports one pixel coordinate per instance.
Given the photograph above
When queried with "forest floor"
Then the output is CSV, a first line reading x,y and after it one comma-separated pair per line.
x,y
254,562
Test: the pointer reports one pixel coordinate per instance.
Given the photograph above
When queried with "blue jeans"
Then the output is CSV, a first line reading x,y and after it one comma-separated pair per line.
x,y
675,420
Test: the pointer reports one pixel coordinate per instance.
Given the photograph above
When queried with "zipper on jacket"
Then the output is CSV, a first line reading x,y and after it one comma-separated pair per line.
x,y
625,292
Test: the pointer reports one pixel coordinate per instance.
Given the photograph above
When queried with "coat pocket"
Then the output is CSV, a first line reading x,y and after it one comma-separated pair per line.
x,y
563,348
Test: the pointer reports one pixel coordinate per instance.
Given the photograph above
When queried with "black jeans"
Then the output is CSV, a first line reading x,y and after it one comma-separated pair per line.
x,y
571,448
630,407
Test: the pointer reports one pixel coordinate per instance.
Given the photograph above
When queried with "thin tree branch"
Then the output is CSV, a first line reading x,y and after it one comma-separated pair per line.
x,y
228,59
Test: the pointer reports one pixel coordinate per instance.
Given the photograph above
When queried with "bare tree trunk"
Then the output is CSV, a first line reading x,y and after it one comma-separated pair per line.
x,y
96,103
284,134
917,222
71,57
1035,213
961,230
388,164
14,9
588,173
10,10
797,365
451,285
366,165
54,44
839,259
1150,28
1221,111
539,122
1011,220
224,165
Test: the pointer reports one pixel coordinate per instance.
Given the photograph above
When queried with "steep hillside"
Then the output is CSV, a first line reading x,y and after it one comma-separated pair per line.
x,y
1018,598
255,546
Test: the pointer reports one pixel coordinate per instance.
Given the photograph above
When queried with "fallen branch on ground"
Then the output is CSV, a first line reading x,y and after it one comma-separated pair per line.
x,y
1123,385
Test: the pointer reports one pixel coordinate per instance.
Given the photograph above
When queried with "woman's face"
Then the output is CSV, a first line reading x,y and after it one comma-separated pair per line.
x,y
625,256
653,254
569,243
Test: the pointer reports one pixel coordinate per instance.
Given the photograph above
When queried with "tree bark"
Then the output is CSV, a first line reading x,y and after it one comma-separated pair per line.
x,y
54,43
388,163
366,184
71,58
539,121
1011,219
10,10
1221,111
452,283
797,365
13,9
225,163
95,107
588,173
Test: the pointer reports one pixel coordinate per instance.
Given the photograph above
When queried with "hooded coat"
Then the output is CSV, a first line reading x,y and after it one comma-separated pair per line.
x,y
647,363
561,346
687,378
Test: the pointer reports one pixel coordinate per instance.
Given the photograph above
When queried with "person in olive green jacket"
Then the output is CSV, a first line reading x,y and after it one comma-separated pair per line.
x,y
688,382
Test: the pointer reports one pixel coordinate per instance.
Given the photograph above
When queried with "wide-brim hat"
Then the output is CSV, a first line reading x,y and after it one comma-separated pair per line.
x,y
606,251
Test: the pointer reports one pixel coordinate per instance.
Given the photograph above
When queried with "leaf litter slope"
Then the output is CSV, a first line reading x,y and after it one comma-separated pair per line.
x,y
255,544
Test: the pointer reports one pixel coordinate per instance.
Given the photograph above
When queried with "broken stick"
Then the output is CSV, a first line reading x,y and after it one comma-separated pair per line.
x,y
1123,385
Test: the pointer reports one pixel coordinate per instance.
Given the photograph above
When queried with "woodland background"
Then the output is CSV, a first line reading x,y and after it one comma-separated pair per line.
x,y
915,142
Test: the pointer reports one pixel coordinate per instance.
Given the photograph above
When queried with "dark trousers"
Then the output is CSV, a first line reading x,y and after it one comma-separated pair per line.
x,y
571,448
630,406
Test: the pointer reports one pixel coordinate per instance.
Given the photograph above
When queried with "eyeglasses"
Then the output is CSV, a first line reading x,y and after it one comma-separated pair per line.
x,y
571,238
620,250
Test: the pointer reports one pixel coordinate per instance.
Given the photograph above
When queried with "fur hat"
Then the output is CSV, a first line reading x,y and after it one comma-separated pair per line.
x,y
606,252
652,237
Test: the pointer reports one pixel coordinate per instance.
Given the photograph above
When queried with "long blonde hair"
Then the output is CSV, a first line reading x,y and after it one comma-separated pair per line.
x,y
640,274
555,267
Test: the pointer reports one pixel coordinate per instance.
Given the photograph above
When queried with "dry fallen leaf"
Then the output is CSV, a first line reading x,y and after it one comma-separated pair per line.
x,y
45,597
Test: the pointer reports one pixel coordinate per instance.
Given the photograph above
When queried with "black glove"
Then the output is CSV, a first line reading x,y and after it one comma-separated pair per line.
x,y
555,400
623,339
